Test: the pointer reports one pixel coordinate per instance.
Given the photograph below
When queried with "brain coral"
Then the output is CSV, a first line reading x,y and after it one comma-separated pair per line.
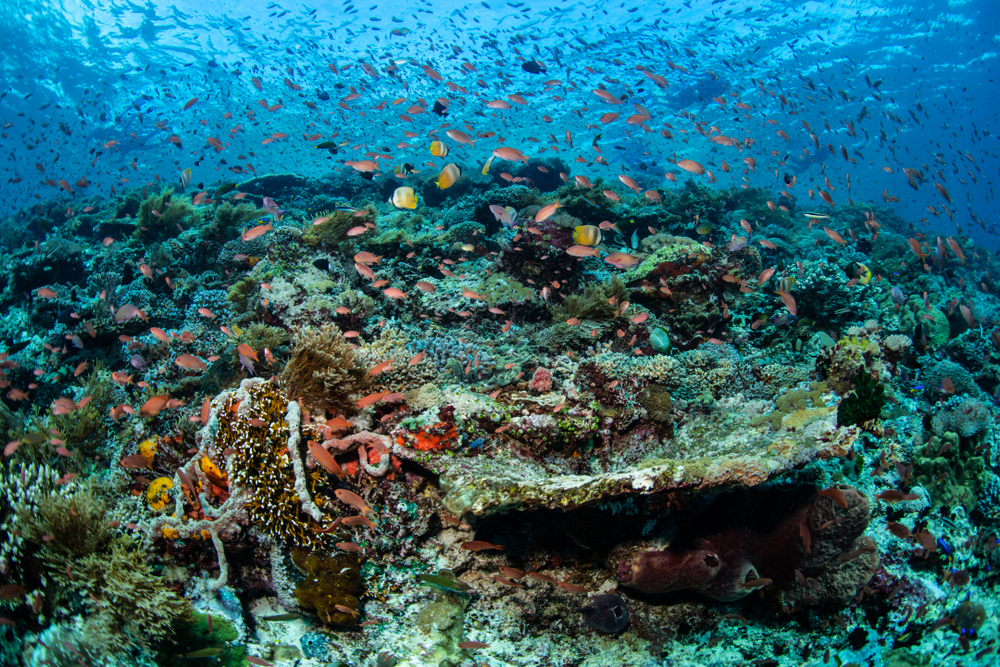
x,y
913,323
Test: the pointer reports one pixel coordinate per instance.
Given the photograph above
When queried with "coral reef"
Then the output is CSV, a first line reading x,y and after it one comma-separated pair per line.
x,y
569,400
864,403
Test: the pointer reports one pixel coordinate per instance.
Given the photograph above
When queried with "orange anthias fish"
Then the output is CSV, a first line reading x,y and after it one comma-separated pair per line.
x,y
354,500
621,260
259,230
837,238
789,302
371,399
325,459
955,248
582,251
154,406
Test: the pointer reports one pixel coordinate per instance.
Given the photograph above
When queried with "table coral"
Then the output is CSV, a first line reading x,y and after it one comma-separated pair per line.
x,y
700,458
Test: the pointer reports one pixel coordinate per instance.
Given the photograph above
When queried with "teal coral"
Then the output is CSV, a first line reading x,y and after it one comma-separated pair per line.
x,y
953,473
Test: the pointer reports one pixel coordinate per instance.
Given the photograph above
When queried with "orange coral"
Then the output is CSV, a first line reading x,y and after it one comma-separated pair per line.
x,y
438,436
216,476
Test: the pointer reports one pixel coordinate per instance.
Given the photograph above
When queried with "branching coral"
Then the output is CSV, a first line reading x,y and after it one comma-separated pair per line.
x,y
966,416
24,489
400,375
861,350
541,380
230,219
85,426
594,304
334,229
258,336
952,469
242,291
928,327
324,370
80,427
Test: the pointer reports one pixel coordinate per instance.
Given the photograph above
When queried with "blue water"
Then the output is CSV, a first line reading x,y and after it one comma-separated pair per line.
x,y
78,75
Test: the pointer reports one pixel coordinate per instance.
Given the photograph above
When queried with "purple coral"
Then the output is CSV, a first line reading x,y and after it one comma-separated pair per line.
x,y
808,545
541,381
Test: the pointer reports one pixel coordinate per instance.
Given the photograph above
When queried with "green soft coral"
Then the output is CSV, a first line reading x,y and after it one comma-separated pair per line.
x,y
672,252
501,289
161,215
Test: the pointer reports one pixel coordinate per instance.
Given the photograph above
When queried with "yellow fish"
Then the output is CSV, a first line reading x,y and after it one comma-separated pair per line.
x,y
439,148
859,271
486,167
588,235
403,197
448,176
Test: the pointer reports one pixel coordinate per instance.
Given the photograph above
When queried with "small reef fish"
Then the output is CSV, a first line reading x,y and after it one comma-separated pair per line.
x,y
587,235
446,583
272,209
438,149
582,251
403,197
281,617
480,546
449,176
622,260
258,231
546,212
